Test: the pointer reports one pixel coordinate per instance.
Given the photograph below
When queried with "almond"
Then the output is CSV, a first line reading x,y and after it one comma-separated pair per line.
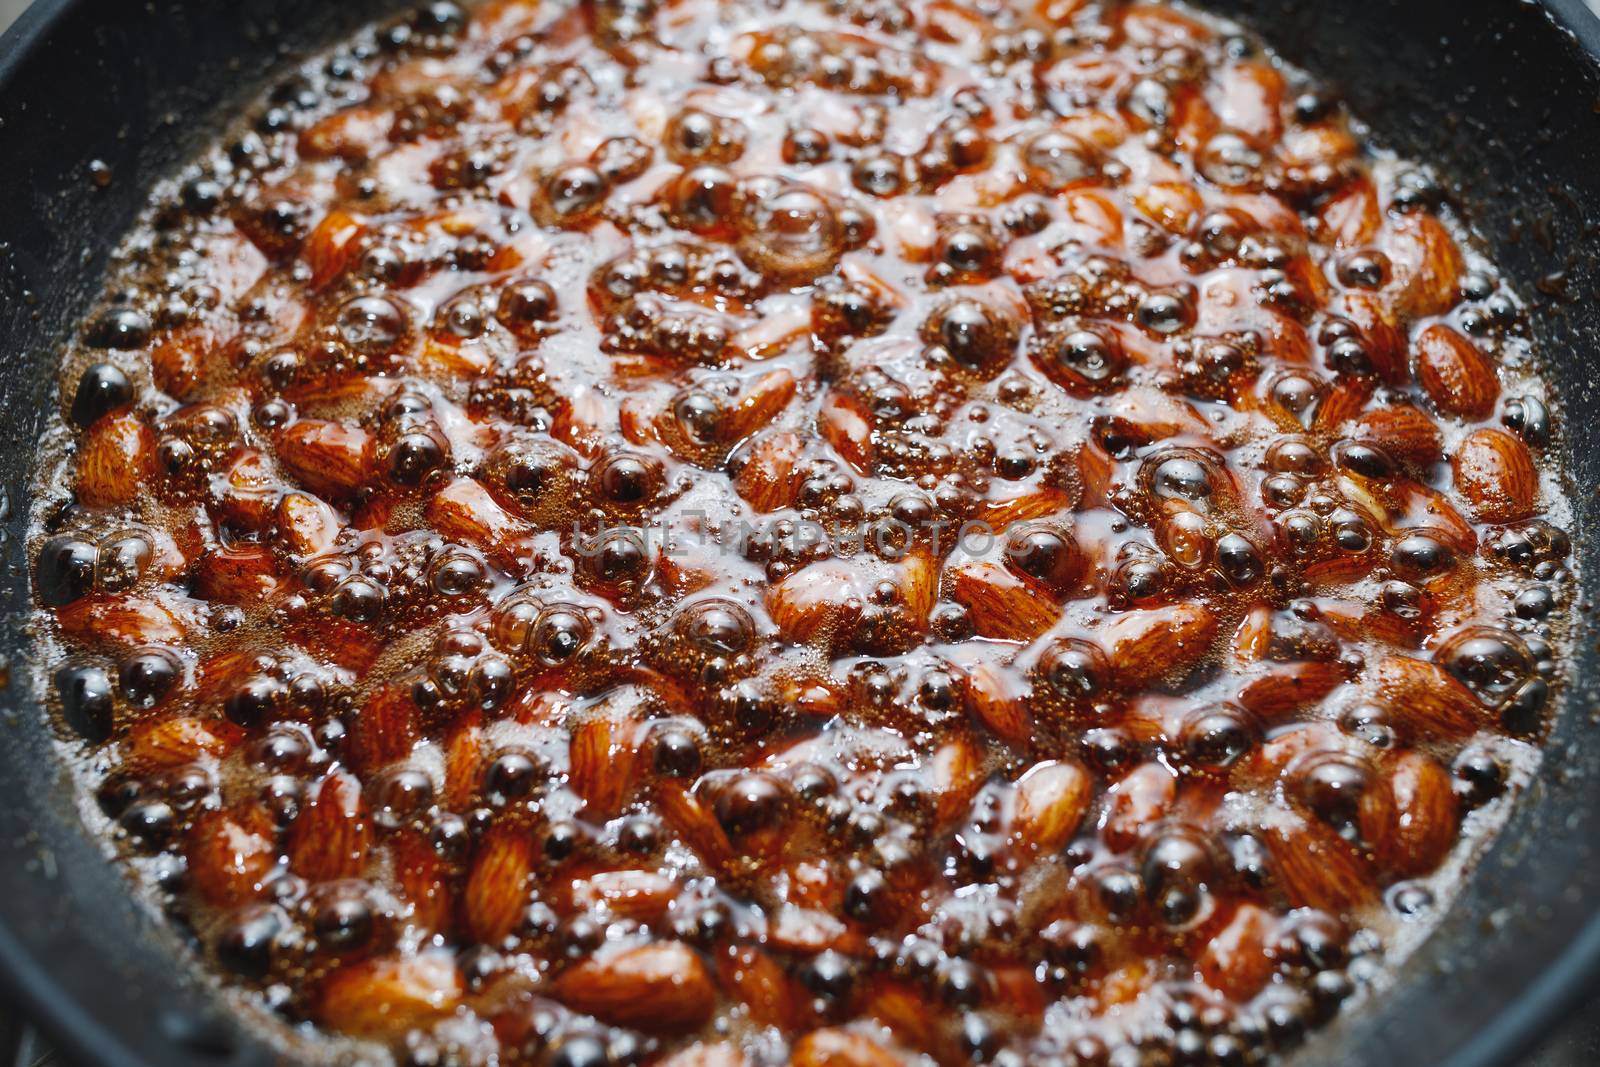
x,y
696,824
1421,693
128,621
835,1047
157,744
1413,825
464,761
1426,262
999,702
242,574
1142,798
353,134
701,1054
816,598
1351,217
332,245
1051,800
1236,961
603,749
1285,687
1458,378
641,895
846,424
464,509
390,995
308,525
769,994
496,891
758,405
1381,336
327,457
249,492
117,460
1001,605
1404,433
179,359
955,774
1317,868
331,835
230,853
661,986
1495,472
1153,643
386,728
423,881
768,480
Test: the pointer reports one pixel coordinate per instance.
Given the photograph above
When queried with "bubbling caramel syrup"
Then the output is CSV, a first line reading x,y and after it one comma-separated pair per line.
x,y
740,533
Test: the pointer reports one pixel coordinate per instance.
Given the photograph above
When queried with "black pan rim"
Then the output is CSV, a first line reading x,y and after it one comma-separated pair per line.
x,y
32,986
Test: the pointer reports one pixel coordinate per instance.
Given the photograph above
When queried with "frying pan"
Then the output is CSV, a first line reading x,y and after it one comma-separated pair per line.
x,y
1504,95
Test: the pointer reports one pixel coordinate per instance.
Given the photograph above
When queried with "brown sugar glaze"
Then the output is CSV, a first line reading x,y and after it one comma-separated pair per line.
x,y
830,533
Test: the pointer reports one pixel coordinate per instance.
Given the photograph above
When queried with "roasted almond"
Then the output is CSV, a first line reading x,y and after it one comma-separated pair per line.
x,y
1458,378
602,756
1426,262
327,457
767,481
1495,472
1403,432
1317,868
243,574
834,1047
1000,702
1237,961
230,853
1142,798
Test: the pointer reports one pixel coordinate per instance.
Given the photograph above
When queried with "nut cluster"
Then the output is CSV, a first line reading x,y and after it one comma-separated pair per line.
x,y
713,533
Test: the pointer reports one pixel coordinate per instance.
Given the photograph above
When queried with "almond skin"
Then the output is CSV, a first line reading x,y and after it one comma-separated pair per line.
x,y
1458,378
1236,960
601,768
1495,472
998,702
768,481
1427,265
845,424
229,854
662,986
327,457
840,1048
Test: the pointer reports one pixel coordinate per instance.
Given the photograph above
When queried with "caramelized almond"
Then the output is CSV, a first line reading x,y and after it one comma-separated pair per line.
x,y
327,457
230,853
1495,472
1051,800
117,461
1414,827
1147,644
1000,604
1458,378
331,836
661,986
390,995
496,892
